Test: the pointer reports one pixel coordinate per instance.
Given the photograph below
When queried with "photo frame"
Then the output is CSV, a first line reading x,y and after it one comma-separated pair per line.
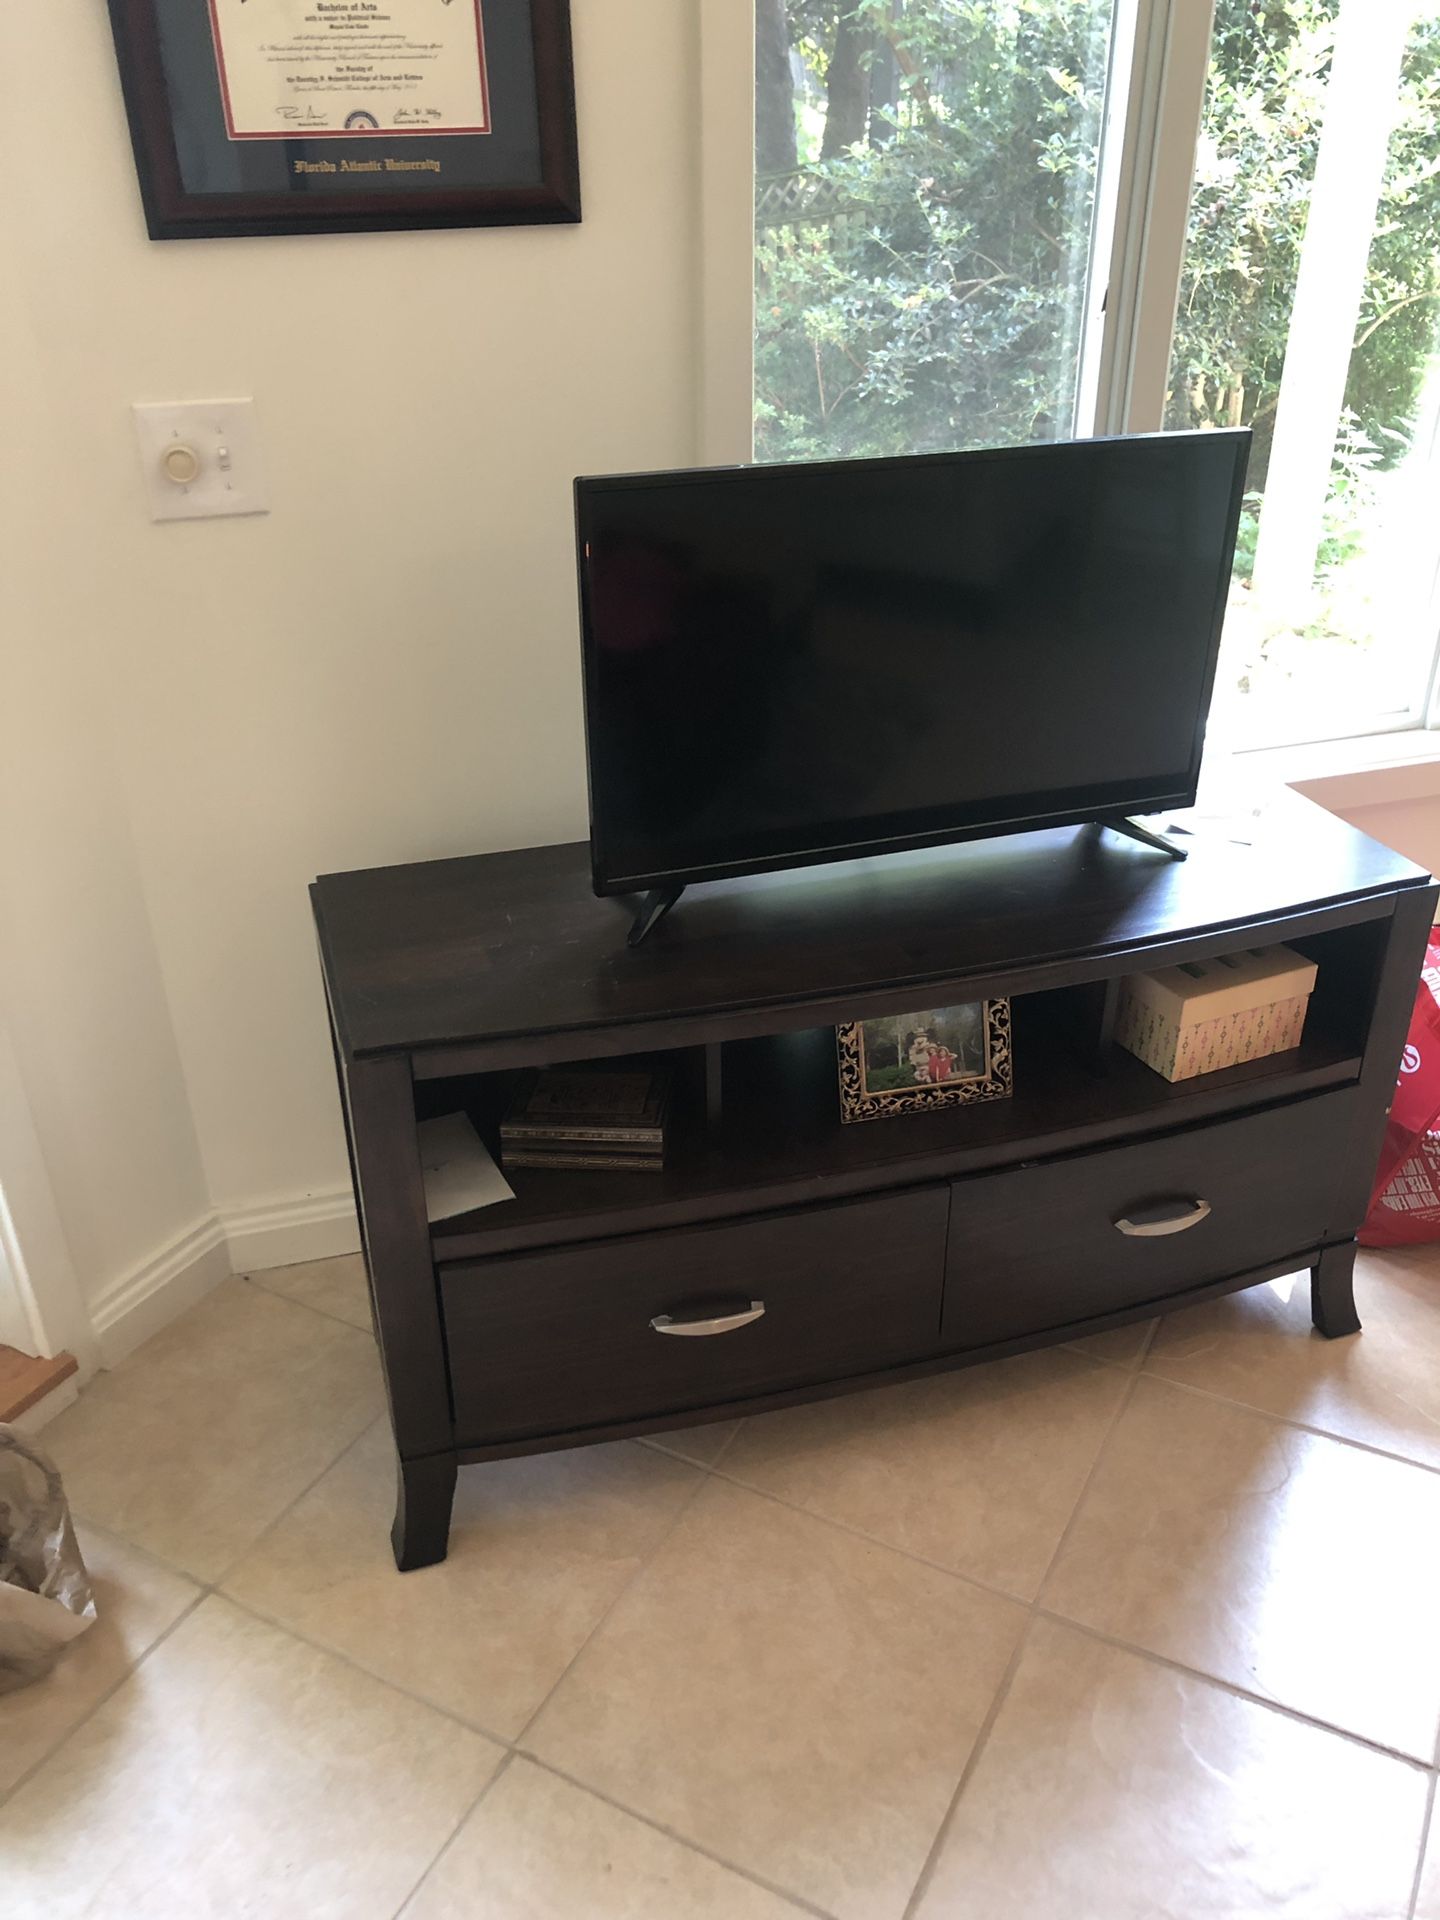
x,y
912,1062
334,116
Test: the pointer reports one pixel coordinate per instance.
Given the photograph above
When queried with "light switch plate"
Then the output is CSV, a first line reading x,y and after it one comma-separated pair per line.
x,y
222,471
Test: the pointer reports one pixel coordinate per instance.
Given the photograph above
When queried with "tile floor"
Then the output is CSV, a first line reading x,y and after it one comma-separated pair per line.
x,y
1147,1628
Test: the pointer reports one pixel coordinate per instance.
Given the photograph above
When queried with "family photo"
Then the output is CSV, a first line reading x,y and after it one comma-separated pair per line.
x,y
900,1063
923,1049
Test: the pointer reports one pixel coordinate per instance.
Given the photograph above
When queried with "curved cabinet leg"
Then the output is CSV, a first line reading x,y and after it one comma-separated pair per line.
x,y
1332,1292
424,1490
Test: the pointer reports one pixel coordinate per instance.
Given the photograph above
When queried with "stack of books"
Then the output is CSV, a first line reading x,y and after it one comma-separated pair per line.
x,y
588,1117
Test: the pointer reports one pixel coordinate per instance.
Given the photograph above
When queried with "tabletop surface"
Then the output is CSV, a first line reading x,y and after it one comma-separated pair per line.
x,y
445,952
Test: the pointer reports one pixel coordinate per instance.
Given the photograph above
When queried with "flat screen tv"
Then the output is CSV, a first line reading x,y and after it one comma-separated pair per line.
x,y
790,664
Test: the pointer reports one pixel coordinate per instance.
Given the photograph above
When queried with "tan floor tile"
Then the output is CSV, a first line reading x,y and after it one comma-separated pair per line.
x,y
1427,1901
977,1470
703,1445
1294,1566
1113,1789
136,1599
337,1287
1381,1387
208,1432
240,1772
539,1849
799,1701
1121,1346
539,1548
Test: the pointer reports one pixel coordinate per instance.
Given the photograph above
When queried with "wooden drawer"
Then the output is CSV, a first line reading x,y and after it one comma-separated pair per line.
x,y
549,1342
1038,1247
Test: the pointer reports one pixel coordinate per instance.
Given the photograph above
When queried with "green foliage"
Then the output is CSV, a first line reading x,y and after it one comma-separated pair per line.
x,y
887,1079
1264,107
928,300
932,305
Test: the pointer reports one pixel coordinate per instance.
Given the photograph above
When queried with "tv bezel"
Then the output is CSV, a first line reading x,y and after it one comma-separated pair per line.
x,y
1148,800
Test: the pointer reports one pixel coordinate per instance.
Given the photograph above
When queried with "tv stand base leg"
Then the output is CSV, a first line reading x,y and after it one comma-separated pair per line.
x,y
1332,1292
1134,831
423,1494
653,909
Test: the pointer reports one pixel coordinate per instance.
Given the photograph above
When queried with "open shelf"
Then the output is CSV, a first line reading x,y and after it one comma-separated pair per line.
x,y
781,1140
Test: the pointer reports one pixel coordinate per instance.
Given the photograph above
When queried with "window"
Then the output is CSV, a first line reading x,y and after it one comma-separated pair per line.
x,y
972,222
1307,311
925,180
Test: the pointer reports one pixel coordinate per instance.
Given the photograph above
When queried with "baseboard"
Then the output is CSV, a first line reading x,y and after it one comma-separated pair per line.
x,y
277,1233
151,1294
282,1233
44,1411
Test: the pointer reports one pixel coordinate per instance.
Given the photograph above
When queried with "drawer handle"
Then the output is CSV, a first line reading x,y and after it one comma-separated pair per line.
x,y
712,1323
1168,1216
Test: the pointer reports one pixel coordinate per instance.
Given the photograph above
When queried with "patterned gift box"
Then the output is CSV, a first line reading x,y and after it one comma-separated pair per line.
x,y
1215,1013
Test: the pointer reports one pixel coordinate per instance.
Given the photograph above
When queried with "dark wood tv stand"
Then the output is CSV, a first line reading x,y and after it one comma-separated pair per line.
x,y
883,1250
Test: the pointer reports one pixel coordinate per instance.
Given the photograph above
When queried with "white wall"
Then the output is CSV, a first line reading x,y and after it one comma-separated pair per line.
x,y
1399,806
382,669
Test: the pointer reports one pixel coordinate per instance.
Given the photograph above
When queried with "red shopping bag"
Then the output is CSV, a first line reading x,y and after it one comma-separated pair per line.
x,y
1405,1205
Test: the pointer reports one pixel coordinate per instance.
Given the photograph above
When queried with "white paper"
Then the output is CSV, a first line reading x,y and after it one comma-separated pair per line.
x,y
459,1173
343,69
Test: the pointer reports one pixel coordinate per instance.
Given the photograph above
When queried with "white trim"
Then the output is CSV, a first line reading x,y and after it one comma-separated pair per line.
x,y
1361,107
282,1233
1133,93
155,1291
1114,185
44,1310
1169,67
277,1233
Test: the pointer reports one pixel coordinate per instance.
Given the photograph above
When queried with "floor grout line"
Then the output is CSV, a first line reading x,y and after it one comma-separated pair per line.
x,y
656,1443
506,1762
582,1785
286,1511
645,1561
123,1681
512,1749
1237,1692
1298,1426
1426,1826
1147,1345
870,1539
1122,1407
275,1293
370,1673
1427,1829
972,1761
982,1738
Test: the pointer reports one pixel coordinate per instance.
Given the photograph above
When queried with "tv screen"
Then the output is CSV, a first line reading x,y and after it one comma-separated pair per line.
x,y
787,664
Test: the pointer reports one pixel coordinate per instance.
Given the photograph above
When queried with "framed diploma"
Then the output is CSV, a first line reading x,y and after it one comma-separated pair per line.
x,y
300,116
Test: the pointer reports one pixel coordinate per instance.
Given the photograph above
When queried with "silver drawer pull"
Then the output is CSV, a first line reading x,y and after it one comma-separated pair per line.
x,y
1168,1216
714,1323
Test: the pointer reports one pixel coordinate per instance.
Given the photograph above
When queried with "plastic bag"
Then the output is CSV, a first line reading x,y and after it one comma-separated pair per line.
x,y
1405,1204
45,1597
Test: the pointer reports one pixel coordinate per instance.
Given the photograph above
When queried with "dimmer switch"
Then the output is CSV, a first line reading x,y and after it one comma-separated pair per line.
x,y
201,458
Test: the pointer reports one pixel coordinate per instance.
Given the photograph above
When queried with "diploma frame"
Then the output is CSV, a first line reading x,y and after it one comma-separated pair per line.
x,y
173,212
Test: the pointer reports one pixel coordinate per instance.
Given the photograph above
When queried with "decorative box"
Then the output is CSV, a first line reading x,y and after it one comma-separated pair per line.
x,y
1209,1014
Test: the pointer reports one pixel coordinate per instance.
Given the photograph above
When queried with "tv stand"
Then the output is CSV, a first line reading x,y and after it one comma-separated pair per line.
x,y
1121,823
659,900
806,1257
652,910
